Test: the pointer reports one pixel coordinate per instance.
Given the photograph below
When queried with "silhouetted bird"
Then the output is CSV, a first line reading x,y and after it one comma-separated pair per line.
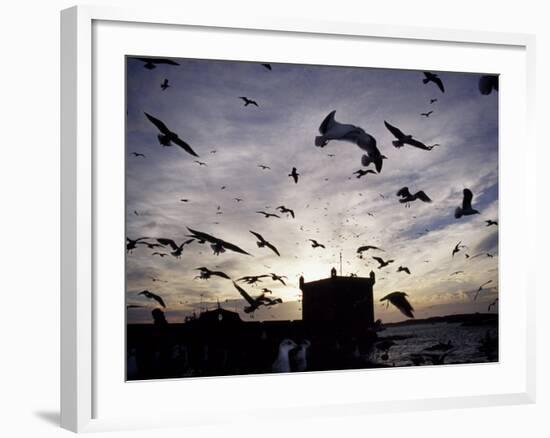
x,y
360,173
137,154
279,278
133,306
315,244
488,83
238,199
432,77
383,263
248,101
433,101
294,174
404,269
466,208
407,197
200,163
493,304
167,137
164,85
457,248
457,272
218,245
330,129
283,209
399,300
160,254
481,288
263,167
268,215
206,273
363,248
177,249
151,63
267,66
153,296
403,139
262,242
428,114
255,303
252,279
131,244
491,222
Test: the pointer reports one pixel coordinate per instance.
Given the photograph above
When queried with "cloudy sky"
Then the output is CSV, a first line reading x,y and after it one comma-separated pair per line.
x,y
331,204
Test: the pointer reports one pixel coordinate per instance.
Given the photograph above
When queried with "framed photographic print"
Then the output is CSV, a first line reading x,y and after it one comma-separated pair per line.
x,y
291,205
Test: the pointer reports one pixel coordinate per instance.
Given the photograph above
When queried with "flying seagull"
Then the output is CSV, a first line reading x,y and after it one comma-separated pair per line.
x,y
151,63
218,245
407,197
466,208
279,278
366,248
160,254
457,272
493,304
432,77
404,269
488,83
252,279
177,249
206,273
268,215
433,101
399,300
164,85
457,248
153,296
262,242
481,288
167,137
283,209
248,101
267,66
330,129
264,167
255,303
131,244
137,154
294,174
491,222
315,244
383,263
403,139
200,163
362,172
428,114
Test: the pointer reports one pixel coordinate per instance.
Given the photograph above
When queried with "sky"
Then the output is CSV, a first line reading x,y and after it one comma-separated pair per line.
x,y
331,205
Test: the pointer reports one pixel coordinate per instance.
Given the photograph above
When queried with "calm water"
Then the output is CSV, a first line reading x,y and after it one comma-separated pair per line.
x,y
469,343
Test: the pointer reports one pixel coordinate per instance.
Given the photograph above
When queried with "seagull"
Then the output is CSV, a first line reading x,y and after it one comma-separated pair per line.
x,y
255,303
160,254
218,245
151,63
131,244
238,199
330,129
283,209
137,154
403,269
262,242
164,85
481,288
280,278
433,101
178,249
403,139
466,208
268,215
282,361
362,172
153,296
366,248
265,290
248,101
200,163
407,197
267,66
493,304
167,137
315,244
457,248
428,114
294,174
133,306
206,273
457,272
252,279
491,222
383,263
488,83
432,77
264,167
399,300
299,356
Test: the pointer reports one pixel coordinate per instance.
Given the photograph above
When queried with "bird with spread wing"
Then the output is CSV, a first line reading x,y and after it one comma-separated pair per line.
x,y
262,242
167,137
218,245
399,300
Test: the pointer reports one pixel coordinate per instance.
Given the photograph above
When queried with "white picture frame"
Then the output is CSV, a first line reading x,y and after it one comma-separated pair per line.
x,y
84,173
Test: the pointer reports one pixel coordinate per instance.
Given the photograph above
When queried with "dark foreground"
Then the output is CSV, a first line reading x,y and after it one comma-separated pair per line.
x,y
220,345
